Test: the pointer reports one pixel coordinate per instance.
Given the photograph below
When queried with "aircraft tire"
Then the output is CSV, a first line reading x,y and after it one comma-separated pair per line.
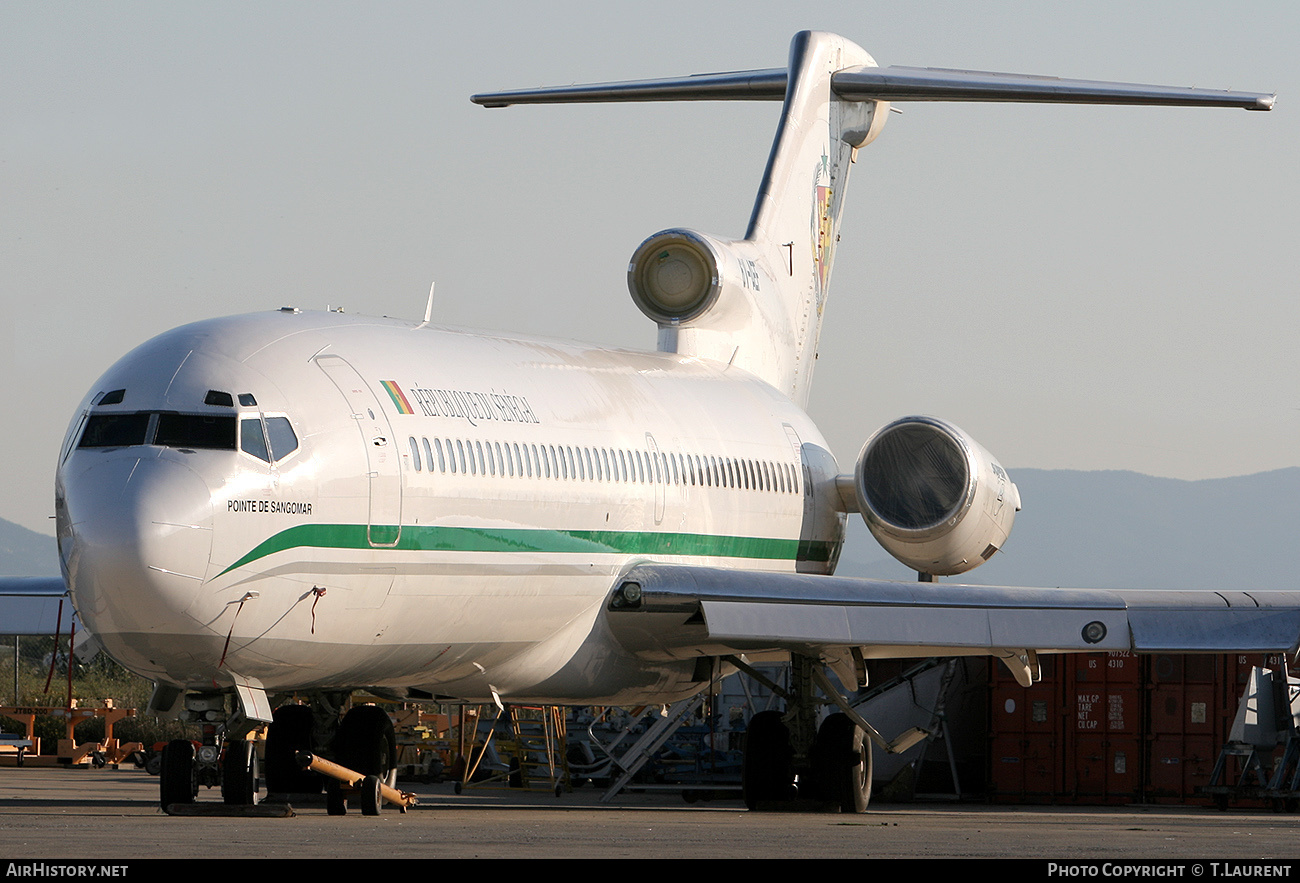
x,y
371,799
176,779
841,758
239,773
767,770
366,742
336,802
289,733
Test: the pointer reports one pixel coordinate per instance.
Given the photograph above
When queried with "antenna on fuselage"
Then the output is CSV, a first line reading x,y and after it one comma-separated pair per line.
x,y
428,307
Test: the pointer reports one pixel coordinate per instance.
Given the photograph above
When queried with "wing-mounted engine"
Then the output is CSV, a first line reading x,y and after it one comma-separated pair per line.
x,y
933,497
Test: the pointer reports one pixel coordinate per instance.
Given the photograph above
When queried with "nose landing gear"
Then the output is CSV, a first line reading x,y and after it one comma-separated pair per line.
x,y
363,743
222,756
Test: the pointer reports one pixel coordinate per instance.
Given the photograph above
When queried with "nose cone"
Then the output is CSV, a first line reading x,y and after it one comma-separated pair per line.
x,y
137,537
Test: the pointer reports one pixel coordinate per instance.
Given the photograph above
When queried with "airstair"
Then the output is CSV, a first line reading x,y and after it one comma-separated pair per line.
x,y
1267,716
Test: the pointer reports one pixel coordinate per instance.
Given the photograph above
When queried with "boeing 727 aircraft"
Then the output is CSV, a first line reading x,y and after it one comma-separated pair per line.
x,y
321,503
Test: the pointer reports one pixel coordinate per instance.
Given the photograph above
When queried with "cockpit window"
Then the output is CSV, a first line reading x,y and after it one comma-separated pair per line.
x,y
279,433
195,431
169,429
115,430
207,431
251,440
283,440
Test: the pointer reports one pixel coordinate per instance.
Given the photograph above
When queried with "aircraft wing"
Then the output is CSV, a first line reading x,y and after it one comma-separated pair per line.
x,y
671,611
30,605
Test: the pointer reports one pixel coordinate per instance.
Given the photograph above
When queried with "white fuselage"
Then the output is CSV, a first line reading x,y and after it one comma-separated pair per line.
x,y
447,511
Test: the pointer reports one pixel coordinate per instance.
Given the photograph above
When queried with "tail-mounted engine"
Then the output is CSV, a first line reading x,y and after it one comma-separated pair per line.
x,y
933,497
678,275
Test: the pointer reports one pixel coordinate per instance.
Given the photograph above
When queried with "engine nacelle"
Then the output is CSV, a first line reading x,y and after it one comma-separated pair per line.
x,y
933,497
678,275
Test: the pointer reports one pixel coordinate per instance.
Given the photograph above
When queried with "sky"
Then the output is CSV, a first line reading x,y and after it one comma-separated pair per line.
x,y
1077,287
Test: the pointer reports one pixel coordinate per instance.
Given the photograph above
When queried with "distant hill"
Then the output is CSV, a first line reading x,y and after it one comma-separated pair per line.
x,y
25,552
1081,529
1126,530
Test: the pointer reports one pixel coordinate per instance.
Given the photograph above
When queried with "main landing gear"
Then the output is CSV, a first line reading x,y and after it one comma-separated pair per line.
x,y
362,741
789,758
365,744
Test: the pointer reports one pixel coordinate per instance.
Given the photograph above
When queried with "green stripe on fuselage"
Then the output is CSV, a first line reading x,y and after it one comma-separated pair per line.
x,y
423,538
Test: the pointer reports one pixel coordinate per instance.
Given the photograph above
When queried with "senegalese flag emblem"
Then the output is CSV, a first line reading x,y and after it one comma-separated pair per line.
x,y
399,398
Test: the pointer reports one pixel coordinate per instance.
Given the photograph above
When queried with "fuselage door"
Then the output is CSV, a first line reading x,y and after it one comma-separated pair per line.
x,y
384,524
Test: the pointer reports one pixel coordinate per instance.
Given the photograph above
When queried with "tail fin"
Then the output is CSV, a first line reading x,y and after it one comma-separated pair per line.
x,y
757,303
796,220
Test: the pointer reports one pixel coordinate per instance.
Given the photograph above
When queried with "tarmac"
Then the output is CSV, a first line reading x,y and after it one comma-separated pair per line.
x,y
49,814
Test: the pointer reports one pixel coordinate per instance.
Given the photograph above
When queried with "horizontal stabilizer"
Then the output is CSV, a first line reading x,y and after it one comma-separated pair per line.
x,y
893,83
897,83
762,85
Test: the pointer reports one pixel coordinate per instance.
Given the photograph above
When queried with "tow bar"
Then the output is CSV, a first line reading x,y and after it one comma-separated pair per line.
x,y
372,789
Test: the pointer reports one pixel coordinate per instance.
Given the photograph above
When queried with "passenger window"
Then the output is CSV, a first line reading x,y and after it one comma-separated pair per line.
x,y
415,453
